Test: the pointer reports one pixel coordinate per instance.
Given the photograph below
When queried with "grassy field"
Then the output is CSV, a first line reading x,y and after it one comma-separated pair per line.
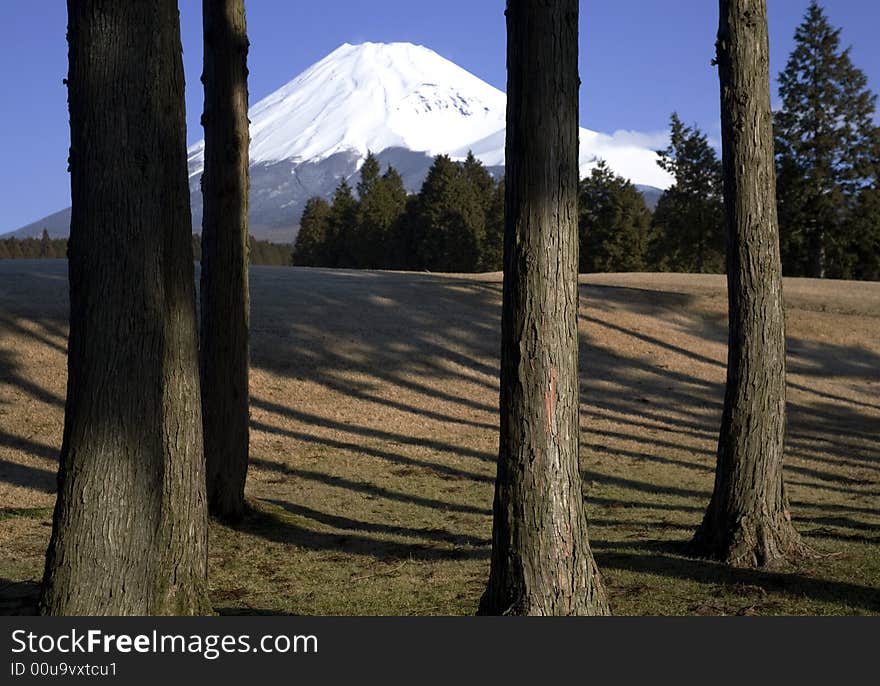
x,y
374,401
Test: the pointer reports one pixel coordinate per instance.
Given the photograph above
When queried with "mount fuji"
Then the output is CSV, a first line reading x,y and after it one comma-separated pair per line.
x,y
403,102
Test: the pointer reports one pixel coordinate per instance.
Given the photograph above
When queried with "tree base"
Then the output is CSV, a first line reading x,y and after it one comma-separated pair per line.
x,y
227,508
750,542
513,599
533,605
67,598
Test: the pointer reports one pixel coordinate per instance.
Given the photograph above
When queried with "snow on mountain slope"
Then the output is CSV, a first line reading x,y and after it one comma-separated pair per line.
x,y
376,96
372,97
628,153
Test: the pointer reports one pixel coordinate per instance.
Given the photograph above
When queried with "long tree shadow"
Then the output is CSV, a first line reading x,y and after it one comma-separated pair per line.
x,y
796,585
299,530
31,447
11,375
37,479
388,437
18,598
348,524
368,488
442,470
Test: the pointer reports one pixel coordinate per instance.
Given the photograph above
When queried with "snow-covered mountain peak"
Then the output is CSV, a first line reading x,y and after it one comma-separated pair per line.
x,y
372,96
378,96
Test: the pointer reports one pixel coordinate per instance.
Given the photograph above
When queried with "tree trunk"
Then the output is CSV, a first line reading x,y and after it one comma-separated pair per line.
x,y
129,534
225,300
541,558
747,522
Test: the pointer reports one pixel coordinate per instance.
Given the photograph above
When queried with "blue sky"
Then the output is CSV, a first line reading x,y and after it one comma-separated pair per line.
x,y
640,59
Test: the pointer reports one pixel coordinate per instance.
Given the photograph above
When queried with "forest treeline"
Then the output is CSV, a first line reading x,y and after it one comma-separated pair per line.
x,y
827,159
33,248
455,223
261,252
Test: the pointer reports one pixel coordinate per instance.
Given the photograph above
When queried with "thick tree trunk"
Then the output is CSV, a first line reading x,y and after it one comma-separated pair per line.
x,y
130,528
225,300
541,558
747,522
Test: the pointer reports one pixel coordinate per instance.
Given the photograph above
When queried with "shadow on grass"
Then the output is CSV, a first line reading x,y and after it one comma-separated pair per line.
x,y
442,470
368,488
283,522
18,598
662,560
37,479
387,437
333,521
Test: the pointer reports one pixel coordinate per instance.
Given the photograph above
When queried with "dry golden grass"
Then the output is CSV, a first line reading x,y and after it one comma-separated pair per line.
x,y
374,400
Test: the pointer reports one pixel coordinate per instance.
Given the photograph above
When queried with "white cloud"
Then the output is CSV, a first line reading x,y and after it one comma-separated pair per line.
x,y
632,154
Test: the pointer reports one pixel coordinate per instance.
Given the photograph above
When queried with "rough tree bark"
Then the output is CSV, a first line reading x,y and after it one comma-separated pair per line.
x,y
225,300
129,533
747,522
541,558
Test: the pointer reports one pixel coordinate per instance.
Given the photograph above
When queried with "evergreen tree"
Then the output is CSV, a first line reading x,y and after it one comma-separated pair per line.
x,y
479,179
485,190
431,213
826,153
256,250
493,242
341,228
465,229
450,224
59,248
403,236
865,230
355,246
382,202
310,248
45,245
613,223
689,219
369,175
